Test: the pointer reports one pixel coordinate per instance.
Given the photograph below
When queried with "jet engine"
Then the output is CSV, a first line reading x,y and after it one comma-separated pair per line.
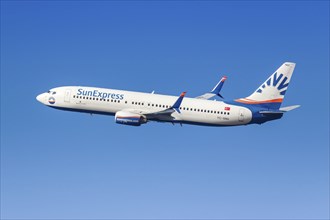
x,y
127,118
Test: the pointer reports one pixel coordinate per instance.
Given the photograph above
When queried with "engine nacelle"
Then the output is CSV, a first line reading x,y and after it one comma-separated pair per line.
x,y
128,118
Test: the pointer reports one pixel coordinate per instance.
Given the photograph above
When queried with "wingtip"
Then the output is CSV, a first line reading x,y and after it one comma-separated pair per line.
x,y
183,94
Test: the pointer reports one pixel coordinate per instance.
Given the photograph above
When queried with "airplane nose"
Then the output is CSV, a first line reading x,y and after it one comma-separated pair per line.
x,y
40,98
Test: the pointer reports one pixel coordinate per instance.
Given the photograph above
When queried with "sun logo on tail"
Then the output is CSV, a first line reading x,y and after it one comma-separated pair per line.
x,y
275,81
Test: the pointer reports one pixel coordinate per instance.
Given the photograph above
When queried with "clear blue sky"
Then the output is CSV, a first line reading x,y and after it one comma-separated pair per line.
x,y
57,164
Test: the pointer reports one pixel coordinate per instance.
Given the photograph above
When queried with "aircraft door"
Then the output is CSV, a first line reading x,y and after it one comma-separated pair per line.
x,y
241,115
67,95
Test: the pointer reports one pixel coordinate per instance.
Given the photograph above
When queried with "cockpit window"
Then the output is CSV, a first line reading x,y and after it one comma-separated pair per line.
x,y
51,92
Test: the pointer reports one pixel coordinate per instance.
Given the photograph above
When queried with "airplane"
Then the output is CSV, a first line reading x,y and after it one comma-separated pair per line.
x,y
137,108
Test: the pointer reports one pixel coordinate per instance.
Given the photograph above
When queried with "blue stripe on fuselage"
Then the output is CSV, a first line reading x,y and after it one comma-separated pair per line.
x,y
257,117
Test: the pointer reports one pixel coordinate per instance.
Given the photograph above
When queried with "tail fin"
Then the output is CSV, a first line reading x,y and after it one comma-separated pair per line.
x,y
271,93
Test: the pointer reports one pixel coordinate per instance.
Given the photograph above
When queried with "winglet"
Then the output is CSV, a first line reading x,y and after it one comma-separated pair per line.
x,y
216,90
176,105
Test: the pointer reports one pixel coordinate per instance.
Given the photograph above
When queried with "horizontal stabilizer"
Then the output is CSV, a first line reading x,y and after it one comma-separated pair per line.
x,y
289,108
279,111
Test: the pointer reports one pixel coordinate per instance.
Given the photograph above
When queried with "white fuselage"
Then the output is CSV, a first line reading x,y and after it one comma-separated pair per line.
x,y
110,101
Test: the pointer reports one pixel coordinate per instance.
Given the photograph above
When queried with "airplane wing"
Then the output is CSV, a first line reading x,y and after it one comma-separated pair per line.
x,y
163,114
215,91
